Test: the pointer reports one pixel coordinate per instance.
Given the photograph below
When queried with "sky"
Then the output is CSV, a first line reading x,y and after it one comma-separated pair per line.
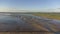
x,y
42,5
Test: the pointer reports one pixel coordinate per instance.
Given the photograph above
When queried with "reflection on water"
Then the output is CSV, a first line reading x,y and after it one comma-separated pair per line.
x,y
27,22
10,23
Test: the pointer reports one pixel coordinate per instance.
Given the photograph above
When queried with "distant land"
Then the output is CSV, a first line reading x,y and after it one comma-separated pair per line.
x,y
31,12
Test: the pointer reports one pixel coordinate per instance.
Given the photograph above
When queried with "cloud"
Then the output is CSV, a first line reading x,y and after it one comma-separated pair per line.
x,y
24,10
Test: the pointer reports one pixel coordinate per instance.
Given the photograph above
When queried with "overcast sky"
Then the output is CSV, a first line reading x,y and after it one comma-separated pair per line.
x,y
29,4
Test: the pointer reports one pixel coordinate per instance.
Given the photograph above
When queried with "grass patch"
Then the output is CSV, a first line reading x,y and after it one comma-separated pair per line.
x,y
49,15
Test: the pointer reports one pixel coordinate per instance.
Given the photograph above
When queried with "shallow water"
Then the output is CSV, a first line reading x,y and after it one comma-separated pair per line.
x,y
15,23
10,23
